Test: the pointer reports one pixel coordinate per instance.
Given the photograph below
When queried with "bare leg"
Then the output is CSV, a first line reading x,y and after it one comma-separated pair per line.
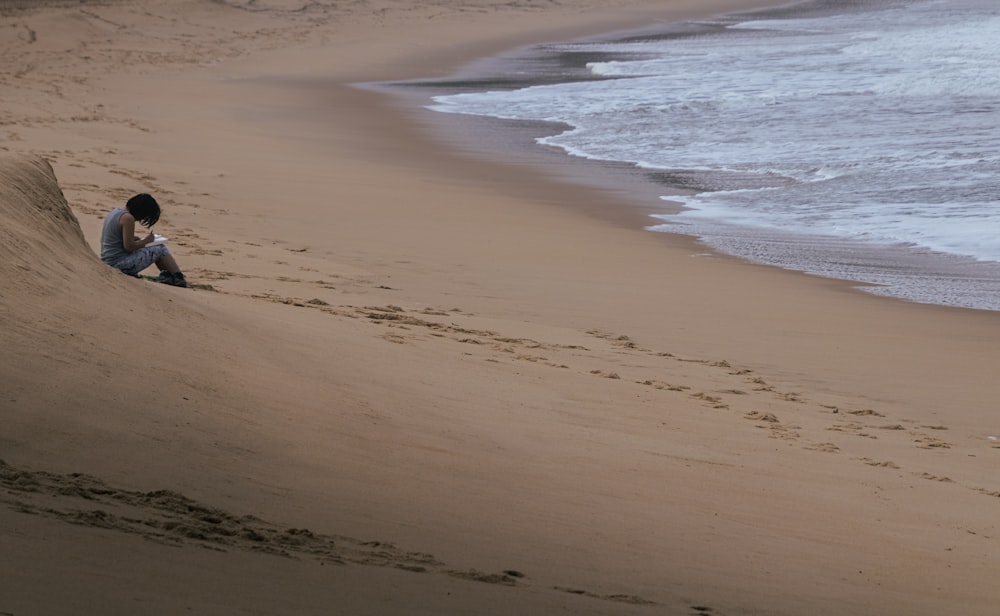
x,y
167,262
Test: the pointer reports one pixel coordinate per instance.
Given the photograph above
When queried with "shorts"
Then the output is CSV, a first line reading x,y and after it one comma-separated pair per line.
x,y
142,258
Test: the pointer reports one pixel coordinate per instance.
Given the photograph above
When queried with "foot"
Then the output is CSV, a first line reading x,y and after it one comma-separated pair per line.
x,y
178,280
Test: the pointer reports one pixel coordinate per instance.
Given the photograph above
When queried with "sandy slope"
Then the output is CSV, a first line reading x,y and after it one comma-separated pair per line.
x,y
402,359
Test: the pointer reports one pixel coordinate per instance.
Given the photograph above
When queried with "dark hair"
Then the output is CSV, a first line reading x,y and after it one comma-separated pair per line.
x,y
144,208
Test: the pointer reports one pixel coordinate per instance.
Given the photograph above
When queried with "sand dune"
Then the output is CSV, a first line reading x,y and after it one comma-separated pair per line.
x,y
409,381
43,246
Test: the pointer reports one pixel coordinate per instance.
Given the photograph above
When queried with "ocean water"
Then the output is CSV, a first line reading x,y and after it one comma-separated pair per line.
x,y
859,143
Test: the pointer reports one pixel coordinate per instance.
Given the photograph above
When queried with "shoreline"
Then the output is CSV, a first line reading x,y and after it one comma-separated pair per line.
x,y
498,417
885,270
581,195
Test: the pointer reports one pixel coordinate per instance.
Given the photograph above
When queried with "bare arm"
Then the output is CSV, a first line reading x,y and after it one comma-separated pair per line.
x,y
130,241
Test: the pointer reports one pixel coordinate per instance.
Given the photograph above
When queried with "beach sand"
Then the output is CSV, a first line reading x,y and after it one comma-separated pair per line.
x,y
410,381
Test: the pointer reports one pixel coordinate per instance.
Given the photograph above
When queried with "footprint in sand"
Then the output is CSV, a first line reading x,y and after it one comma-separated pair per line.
x,y
931,477
925,441
881,464
824,447
761,416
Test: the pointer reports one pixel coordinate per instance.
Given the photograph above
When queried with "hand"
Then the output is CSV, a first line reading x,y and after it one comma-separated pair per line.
x,y
149,238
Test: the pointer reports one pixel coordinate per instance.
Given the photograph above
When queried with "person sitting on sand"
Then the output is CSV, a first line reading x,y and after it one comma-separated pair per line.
x,y
121,248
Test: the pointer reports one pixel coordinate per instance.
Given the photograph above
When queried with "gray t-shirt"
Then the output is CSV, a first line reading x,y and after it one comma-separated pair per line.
x,y
112,244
